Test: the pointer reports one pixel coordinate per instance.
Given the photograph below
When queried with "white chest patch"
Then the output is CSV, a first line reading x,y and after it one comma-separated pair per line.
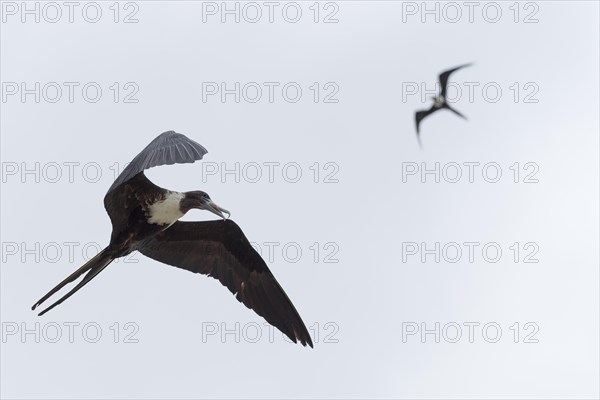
x,y
166,212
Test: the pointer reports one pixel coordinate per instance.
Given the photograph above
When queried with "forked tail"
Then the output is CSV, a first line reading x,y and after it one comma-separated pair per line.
x,y
94,266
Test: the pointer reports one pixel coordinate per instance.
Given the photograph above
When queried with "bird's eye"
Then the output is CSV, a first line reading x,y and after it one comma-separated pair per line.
x,y
205,196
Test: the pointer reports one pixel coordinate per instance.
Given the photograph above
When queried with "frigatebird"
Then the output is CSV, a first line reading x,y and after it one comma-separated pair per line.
x,y
439,102
145,218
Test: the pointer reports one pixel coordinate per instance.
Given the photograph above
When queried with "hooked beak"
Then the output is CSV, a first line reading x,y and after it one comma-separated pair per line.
x,y
215,209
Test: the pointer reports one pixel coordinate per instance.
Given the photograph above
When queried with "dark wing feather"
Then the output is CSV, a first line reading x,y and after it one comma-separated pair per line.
x,y
124,204
219,249
420,115
444,78
168,148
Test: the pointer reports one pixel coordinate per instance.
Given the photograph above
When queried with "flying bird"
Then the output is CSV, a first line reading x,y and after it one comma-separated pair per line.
x,y
145,218
439,102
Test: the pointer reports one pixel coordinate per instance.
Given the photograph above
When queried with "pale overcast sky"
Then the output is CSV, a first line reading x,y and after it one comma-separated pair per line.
x,y
466,269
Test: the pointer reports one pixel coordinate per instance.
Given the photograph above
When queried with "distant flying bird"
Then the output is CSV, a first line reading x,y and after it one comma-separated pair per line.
x,y
145,218
439,101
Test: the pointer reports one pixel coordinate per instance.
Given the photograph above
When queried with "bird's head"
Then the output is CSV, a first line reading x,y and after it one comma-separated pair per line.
x,y
201,200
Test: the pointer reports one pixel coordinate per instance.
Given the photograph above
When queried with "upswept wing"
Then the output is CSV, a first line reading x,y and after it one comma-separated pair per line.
x,y
444,78
166,149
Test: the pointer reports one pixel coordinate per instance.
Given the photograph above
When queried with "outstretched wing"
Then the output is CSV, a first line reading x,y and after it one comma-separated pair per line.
x,y
166,149
444,78
219,249
446,106
420,115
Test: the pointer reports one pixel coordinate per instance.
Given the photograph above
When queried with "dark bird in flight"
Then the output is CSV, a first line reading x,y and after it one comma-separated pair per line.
x,y
439,102
145,218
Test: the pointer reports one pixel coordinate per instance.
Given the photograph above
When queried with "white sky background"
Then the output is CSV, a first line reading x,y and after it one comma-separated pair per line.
x,y
374,51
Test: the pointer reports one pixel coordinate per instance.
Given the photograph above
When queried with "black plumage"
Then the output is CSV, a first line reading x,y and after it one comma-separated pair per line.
x,y
145,217
229,258
439,101
168,148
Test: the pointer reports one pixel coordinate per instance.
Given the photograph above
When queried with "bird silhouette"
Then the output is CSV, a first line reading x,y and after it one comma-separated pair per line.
x,y
145,217
439,102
